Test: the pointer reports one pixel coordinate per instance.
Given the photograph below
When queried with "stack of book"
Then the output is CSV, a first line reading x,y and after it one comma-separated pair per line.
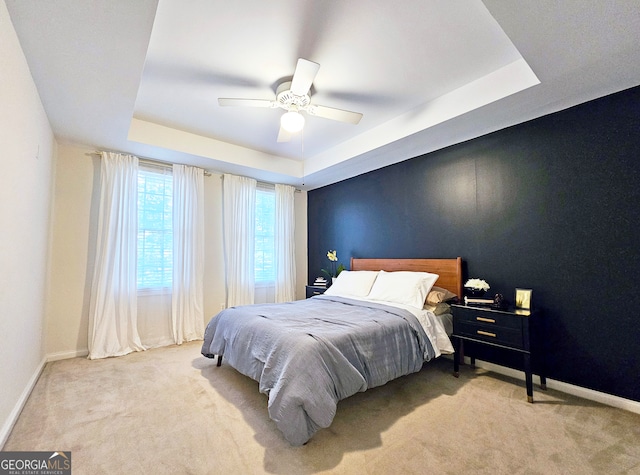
x,y
472,301
320,282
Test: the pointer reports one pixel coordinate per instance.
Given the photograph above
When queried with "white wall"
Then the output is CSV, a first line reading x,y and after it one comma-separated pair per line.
x,y
27,157
73,248
75,223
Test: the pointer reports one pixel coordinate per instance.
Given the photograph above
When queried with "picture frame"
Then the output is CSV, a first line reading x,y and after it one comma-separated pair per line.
x,y
523,298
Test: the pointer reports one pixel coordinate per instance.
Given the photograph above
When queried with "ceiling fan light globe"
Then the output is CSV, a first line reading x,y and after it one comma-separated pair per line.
x,y
292,121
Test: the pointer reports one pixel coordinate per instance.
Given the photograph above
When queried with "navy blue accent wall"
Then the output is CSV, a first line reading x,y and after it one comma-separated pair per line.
x,y
552,205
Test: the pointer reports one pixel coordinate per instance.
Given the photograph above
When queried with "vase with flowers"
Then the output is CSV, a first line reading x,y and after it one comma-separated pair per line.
x,y
476,288
334,267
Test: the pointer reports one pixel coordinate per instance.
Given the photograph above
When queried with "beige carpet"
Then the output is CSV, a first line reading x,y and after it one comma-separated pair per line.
x,y
172,411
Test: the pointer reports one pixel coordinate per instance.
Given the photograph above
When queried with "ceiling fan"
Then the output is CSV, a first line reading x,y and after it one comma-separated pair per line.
x,y
293,96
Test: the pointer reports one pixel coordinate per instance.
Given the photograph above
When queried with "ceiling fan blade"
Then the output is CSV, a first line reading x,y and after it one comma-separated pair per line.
x,y
284,135
224,101
334,114
303,76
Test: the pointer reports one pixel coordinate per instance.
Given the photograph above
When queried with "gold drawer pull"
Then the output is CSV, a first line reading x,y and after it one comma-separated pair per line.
x,y
480,332
488,320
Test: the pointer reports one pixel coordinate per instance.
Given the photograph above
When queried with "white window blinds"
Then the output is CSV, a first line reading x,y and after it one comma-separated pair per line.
x,y
265,234
155,228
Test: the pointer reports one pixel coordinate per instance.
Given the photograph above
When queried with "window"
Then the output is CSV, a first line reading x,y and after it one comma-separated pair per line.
x,y
155,229
265,235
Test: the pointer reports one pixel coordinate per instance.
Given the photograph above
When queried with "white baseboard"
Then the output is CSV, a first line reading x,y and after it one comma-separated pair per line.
x,y
585,393
65,355
22,400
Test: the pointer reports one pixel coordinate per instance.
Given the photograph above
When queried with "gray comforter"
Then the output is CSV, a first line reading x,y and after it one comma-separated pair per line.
x,y
309,354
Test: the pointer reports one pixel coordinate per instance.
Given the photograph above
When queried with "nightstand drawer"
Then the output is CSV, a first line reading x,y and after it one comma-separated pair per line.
x,y
510,337
315,290
490,318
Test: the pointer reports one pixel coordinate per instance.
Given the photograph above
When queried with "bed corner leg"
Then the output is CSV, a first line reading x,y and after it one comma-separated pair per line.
x,y
219,360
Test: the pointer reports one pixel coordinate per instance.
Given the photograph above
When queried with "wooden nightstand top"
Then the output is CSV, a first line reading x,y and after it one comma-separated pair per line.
x,y
521,312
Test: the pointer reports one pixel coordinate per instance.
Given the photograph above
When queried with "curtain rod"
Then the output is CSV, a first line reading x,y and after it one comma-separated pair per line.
x,y
146,160
153,161
297,190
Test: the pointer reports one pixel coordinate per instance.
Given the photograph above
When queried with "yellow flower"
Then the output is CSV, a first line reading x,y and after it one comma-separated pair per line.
x,y
335,269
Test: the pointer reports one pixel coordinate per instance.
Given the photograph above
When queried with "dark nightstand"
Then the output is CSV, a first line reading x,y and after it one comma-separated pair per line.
x,y
313,290
503,328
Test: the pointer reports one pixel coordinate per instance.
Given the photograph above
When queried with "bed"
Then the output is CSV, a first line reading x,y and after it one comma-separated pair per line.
x,y
364,331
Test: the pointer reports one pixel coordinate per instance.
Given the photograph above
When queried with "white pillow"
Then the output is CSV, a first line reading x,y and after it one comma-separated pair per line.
x,y
353,283
405,287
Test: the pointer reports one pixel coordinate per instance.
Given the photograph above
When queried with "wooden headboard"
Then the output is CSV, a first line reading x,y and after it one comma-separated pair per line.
x,y
449,270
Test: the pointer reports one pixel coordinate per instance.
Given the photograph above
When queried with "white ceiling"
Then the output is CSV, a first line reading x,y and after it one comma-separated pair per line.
x,y
144,76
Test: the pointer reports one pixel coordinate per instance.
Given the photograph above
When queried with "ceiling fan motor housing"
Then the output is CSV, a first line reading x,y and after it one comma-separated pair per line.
x,y
290,101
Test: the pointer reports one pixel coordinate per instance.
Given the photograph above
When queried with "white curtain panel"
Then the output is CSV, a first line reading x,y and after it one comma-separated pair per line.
x,y
239,211
187,314
284,244
113,308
